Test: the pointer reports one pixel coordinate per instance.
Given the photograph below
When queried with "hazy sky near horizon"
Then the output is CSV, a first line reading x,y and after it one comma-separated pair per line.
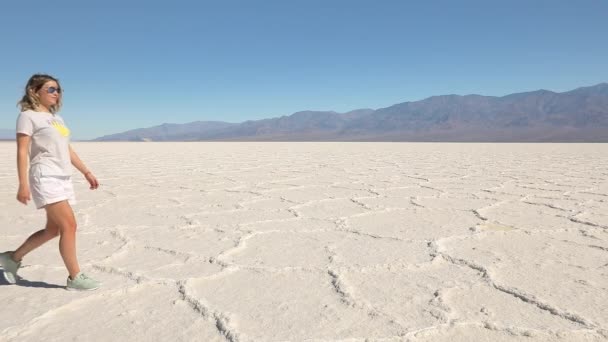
x,y
140,64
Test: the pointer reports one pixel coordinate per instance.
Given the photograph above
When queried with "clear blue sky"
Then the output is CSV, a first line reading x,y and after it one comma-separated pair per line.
x,y
141,64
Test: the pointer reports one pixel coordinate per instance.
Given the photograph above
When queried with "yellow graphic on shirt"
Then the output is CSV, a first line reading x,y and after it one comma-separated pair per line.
x,y
64,131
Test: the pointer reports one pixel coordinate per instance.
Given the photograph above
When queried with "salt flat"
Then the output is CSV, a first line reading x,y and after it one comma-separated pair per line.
x,y
321,242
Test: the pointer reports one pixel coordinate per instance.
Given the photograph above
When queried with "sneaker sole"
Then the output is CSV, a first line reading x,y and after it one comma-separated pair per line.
x,y
74,289
10,281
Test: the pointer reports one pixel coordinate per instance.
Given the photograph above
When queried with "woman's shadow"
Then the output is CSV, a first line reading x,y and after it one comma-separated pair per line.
x,y
27,283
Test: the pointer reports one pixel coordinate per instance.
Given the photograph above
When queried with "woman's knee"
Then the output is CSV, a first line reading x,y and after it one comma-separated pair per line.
x,y
67,228
52,233
60,214
51,229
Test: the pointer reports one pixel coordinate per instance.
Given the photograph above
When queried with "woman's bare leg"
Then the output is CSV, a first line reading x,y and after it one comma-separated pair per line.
x,y
61,214
36,240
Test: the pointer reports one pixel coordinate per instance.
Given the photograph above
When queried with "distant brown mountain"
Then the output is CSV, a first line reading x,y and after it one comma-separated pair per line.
x,y
7,134
170,132
541,116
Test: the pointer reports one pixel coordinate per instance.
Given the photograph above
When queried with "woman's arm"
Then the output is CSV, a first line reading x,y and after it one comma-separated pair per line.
x,y
77,162
83,169
23,150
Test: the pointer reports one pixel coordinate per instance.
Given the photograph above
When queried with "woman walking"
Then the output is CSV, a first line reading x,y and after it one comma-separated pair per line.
x,y
43,137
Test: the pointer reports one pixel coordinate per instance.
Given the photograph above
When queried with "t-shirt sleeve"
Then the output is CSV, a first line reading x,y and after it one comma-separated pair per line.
x,y
25,125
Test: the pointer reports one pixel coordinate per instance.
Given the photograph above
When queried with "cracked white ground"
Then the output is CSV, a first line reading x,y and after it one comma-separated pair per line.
x,y
321,242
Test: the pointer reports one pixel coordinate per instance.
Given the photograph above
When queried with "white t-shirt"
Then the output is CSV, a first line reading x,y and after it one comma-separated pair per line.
x,y
50,139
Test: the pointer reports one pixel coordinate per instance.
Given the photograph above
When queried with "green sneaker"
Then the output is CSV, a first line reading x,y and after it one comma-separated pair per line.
x,y
82,282
10,267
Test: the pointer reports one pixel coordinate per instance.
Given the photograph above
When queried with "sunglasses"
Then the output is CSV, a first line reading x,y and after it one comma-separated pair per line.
x,y
52,90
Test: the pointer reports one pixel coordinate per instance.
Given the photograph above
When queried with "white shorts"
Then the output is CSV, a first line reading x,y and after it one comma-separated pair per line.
x,y
51,189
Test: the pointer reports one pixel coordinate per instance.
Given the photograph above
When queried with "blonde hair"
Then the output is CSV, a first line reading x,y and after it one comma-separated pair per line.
x,y
31,100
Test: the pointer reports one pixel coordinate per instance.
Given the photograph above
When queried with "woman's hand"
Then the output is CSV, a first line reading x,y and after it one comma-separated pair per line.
x,y
94,184
23,194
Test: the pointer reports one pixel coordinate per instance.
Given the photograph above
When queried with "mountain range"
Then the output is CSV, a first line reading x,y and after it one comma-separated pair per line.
x,y
7,134
580,115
